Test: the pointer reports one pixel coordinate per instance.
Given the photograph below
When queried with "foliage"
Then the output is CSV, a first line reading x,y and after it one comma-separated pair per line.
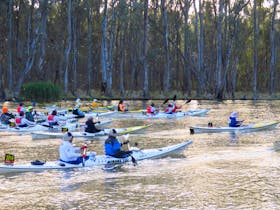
x,y
41,91
45,61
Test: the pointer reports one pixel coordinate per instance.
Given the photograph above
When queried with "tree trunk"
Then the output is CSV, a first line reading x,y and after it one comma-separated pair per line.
x,y
145,50
219,77
74,57
10,50
187,86
89,44
104,50
69,42
111,52
166,83
272,63
256,42
234,77
43,37
199,72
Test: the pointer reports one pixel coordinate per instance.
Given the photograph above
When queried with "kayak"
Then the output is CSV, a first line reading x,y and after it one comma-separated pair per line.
x,y
96,109
91,114
196,112
120,131
161,115
39,127
247,128
70,126
97,160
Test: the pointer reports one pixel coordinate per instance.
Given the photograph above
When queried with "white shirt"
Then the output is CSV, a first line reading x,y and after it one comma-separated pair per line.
x,y
67,152
56,119
25,121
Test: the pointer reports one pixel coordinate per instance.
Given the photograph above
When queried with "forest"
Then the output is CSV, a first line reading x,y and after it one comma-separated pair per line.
x,y
212,49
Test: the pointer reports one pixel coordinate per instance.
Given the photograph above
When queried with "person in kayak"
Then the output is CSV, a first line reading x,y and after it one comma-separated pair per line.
x,y
122,107
21,108
29,115
112,147
152,109
172,108
90,126
176,107
21,121
70,154
78,112
95,104
233,122
53,119
169,109
6,116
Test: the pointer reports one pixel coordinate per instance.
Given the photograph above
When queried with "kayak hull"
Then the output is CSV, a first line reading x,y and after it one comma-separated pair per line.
x,y
196,112
39,127
248,128
120,131
99,160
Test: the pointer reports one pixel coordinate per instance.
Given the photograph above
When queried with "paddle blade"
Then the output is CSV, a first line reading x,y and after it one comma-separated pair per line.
x,y
174,97
165,101
126,136
188,101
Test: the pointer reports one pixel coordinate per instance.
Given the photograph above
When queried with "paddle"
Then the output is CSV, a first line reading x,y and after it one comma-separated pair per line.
x,y
48,126
188,101
134,161
166,100
84,153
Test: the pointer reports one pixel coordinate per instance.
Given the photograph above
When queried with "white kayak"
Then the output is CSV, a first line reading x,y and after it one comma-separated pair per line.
x,y
98,160
70,126
246,128
195,112
162,115
120,131
39,127
91,114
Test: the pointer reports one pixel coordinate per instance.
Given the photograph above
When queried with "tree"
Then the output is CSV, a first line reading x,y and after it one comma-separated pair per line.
x,y
256,19
145,50
69,45
272,50
166,83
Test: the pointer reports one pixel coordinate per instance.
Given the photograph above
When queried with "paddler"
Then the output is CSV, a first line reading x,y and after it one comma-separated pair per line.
x,y
122,107
70,154
152,109
233,122
113,147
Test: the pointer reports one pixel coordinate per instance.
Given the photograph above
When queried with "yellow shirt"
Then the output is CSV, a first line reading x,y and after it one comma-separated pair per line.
x,y
95,104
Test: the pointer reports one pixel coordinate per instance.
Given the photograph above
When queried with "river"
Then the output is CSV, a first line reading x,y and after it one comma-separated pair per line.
x,y
218,171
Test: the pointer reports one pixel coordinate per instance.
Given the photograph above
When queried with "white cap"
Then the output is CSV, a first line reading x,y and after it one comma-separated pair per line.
x,y
234,114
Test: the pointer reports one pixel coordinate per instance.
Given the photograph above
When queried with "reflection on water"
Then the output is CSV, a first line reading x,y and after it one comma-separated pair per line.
x,y
218,171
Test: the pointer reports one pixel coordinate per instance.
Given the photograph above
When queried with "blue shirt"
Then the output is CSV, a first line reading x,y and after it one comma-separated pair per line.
x,y
233,122
112,146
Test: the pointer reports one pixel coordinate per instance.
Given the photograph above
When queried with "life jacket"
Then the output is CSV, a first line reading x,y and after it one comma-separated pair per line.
x,y
169,110
50,117
175,107
149,109
18,120
18,109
